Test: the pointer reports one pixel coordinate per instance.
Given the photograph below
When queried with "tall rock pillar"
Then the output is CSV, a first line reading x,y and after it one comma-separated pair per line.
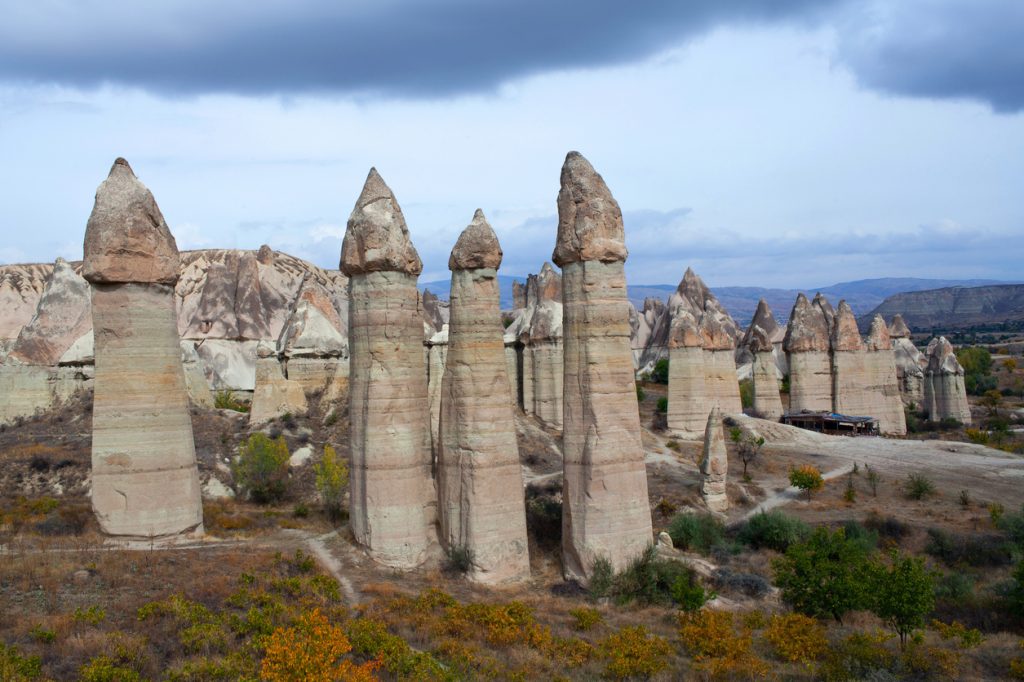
x,y
688,399
480,482
391,487
883,382
850,394
910,363
714,464
806,345
764,374
945,394
605,510
144,476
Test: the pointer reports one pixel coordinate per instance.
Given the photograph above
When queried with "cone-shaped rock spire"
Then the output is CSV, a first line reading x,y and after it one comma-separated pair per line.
x,y
808,329
899,328
589,219
477,247
879,337
845,334
126,238
377,238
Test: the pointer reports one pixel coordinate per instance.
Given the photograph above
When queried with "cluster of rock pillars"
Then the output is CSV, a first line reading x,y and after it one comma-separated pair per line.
x,y
434,457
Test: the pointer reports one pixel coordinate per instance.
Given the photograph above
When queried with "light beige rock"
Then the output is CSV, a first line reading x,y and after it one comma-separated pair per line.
x,y
275,395
436,358
144,476
605,510
850,393
479,479
714,464
882,380
62,317
807,351
688,403
764,374
945,394
195,380
910,364
393,501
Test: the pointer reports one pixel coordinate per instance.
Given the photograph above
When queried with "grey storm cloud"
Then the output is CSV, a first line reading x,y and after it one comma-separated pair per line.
x,y
413,48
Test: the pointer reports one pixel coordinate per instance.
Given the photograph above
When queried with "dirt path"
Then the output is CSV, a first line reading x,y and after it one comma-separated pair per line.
x,y
791,494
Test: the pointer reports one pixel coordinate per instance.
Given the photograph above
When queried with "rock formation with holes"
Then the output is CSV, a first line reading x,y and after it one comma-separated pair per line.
x,y
479,480
605,510
144,476
392,491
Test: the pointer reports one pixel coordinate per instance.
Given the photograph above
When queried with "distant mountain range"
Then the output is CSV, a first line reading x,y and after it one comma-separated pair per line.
x,y
864,295
952,307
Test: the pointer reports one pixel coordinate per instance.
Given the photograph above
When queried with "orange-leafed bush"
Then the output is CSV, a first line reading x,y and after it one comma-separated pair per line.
x,y
796,638
312,650
631,652
806,477
707,633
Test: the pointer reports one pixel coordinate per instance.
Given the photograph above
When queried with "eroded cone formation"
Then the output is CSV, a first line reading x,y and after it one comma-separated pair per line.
x,y
910,363
480,487
764,375
945,394
807,350
714,464
605,508
144,476
850,394
392,494
883,381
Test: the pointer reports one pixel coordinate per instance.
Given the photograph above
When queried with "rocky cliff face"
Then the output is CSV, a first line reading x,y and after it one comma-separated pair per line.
x,y
954,306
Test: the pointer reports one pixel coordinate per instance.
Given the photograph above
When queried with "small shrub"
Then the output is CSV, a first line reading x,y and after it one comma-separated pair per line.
x,y
954,587
888,527
659,374
43,635
695,531
459,559
673,445
746,394
640,393
225,400
662,405
585,618
796,638
632,652
861,656
807,478
332,482
602,576
92,615
967,638
995,512
974,550
16,667
965,499
866,538
261,470
903,595
665,508
919,487
850,494
312,649
873,480
773,530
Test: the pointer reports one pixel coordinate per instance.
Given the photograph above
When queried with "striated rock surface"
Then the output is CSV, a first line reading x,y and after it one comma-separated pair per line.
x,y
144,476
945,395
807,350
275,395
764,373
882,380
910,363
714,464
850,393
392,493
63,316
605,510
479,480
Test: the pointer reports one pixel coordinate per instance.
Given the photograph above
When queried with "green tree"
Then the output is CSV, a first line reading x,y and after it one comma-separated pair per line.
x,y
332,481
807,478
659,374
904,594
261,469
747,447
826,575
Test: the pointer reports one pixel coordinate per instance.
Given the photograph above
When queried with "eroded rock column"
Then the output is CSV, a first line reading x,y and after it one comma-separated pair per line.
x,y
390,483
605,510
764,375
714,464
945,394
850,394
144,476
480,483
882,381
806,345
910,363
688,400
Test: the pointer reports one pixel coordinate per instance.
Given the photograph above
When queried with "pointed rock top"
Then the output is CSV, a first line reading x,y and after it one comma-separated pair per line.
x,y
826,309
126,238
763,319
265,255
878,337
942,358
899,329
845,334
807,329
692,287
377,238
549,284
589,219
477,247
757,339
684,331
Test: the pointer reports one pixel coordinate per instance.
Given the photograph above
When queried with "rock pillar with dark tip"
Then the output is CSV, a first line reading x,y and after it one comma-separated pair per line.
x,y
714,464
764,374
810,370
392,495
605,510
882,381
850,393
144,476
479,480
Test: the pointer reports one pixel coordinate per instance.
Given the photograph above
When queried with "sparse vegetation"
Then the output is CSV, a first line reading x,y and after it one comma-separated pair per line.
x,y
662,405
807,478
332,482
918,487
659,374
226,400
773,530
261,469
746,394
460,558
748,448
694,531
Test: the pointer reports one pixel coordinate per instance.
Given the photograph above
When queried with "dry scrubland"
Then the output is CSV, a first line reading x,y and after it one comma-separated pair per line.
x,y
279,591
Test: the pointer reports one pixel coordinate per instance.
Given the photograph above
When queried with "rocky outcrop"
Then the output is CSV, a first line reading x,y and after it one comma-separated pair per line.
x,y
850,393
945,395
641,327
313,346
21,287
535,336
763,318
714,464
144,476
479,480
605,510
275,395
767,402
882,380
910,363
63,316
807,350
392,494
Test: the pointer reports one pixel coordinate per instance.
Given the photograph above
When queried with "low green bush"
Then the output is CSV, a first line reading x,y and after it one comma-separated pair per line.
x,y
773,530
699,532
261,469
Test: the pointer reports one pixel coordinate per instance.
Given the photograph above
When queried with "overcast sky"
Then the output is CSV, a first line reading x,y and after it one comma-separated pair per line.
x,y
790,143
